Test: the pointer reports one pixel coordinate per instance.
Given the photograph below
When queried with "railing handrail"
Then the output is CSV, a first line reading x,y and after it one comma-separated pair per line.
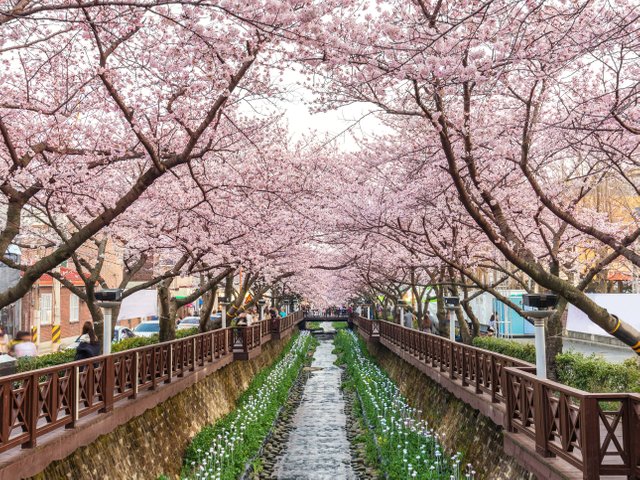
x,y
566,389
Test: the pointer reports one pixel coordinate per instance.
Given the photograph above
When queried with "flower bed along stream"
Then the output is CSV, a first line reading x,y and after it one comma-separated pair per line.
x,y
221,451
405,445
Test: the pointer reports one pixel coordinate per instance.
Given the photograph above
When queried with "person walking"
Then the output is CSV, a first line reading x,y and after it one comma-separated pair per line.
x,y
23,346
89,345
4,340
408,319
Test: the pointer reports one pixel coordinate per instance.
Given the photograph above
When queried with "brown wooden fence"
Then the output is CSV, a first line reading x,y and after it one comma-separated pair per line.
x,y
598,433
35,403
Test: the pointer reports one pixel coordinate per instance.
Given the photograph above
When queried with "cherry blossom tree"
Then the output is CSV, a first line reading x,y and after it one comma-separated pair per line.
x,y
102,99
496,92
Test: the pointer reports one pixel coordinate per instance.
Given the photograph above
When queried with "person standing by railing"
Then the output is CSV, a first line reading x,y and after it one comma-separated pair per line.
x,y
88,343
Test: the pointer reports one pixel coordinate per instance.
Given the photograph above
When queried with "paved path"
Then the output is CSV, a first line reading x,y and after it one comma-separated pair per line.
x,y
317,448
609,352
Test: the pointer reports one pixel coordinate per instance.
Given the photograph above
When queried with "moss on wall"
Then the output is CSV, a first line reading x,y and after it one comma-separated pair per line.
x,y
153,443
462,428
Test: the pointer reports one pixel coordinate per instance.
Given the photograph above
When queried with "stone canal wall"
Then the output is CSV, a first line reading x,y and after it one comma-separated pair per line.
x,y
153,443
462,428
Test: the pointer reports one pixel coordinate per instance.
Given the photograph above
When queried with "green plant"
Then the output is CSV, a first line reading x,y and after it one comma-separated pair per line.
x,y
407,448
224,448
313,325
187,332
133,342
594,374
523,351
339,325
26,364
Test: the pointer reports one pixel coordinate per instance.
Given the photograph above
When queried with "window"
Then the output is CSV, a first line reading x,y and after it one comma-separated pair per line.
x,y
45,308
74,308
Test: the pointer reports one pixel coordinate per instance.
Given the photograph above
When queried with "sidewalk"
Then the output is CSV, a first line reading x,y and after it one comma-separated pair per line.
x,y
46,347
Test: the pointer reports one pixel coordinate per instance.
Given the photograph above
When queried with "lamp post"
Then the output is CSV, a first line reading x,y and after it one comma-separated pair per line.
x,y
450,304
223,301
108,299
261,304
544,306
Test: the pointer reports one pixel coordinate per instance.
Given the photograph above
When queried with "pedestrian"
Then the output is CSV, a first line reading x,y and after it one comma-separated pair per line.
x,y
408,319
283,313
250,316
273,313
4,340
23,346
88,343
492,325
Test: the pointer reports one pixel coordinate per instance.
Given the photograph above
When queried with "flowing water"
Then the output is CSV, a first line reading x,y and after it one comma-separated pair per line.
x,y
317,448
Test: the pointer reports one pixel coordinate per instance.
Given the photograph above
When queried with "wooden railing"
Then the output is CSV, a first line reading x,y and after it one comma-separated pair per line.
x,y
598,433
35,403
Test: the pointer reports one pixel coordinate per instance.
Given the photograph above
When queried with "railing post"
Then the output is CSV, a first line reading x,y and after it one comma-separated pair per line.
x,y
5,412
476,357
494,376
452,360
135,374
509,403
590,433
541,410
32,411
169,363
441,359
152,368
633,421
193,354
463,356
107,384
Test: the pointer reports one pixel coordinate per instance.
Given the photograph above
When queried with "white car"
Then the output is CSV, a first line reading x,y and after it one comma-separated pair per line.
x,y
147,329
194,322
119,333
188,322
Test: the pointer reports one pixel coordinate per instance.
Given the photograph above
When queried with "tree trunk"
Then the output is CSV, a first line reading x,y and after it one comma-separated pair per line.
x,y
207,307
553,337
465,333
167,324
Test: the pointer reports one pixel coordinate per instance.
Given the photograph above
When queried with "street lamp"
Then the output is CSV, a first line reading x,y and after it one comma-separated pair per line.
x,y
450,304
261,304
544,306
108,298
223,301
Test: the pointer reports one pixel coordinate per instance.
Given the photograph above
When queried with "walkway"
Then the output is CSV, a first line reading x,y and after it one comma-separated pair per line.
x,y
317,448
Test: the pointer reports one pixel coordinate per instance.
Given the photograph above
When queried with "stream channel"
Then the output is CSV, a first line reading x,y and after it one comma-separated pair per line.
x,y
317,447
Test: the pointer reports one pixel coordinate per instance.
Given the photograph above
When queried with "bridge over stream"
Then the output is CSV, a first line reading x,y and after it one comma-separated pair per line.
x,y
552,430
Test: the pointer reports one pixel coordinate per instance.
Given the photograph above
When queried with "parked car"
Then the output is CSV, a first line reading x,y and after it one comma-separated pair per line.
x,y
188,322
119,333
147,329
194,322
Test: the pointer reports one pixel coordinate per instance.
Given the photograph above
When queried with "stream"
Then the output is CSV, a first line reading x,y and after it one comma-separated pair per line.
x,y
317,447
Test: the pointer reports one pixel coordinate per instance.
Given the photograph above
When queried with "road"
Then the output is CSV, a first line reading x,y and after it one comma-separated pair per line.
x,y
609,352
